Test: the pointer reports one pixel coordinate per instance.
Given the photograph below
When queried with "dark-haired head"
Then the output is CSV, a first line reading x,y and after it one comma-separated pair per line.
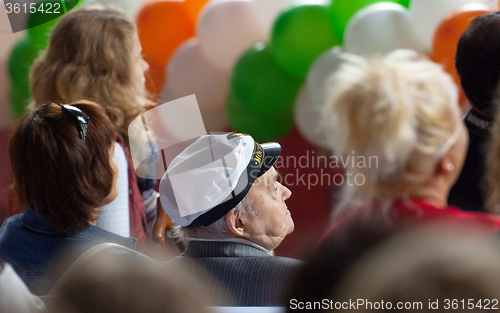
x,y
57,173
478,59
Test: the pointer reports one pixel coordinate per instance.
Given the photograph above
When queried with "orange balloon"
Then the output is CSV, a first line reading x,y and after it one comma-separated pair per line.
x,y
162,26
453,25
194,7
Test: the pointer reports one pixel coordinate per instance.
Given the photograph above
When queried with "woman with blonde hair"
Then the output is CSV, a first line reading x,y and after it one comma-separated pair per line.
x,y
94,53
398,119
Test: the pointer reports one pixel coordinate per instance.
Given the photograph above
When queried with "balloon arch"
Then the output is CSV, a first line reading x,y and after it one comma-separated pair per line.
x,y
265,63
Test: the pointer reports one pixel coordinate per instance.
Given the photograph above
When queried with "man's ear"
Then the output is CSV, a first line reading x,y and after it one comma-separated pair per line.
x,y
234,222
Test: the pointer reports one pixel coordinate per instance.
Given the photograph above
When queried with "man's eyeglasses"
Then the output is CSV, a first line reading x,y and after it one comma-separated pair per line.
x,y
81,119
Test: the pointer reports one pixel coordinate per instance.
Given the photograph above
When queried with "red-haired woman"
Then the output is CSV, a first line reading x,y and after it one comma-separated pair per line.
x,y
64,171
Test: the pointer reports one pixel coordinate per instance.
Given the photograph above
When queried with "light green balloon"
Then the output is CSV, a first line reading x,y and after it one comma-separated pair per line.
x,y
300,34
262,127
19,101
342,10
21,58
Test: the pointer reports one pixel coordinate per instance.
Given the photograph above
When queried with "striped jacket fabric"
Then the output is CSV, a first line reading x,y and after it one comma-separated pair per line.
x,y
237,273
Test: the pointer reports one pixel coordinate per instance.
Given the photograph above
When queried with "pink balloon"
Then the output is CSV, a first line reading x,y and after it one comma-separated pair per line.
x,y
189,73
266,12
226,29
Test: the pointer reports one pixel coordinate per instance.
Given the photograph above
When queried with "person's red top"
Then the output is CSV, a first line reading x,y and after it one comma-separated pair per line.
x,y
423,211
410,212
136,205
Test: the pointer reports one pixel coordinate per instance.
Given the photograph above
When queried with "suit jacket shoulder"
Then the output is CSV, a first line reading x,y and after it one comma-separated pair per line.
x,y
237,274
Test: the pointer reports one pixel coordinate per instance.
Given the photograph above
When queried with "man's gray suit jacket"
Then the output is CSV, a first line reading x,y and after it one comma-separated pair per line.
x,y
238,274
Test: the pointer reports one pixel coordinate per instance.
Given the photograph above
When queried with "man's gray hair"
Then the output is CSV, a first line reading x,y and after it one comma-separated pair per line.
x,y
216,230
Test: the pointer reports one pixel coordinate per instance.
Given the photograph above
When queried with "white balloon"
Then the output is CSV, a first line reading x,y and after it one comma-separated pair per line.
x,y
130,6
308,119
188,73
322,68
266,12
226,29
381,28
312,98
427,14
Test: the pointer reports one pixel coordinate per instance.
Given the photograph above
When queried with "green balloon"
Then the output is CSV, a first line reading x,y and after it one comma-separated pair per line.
x,y
405,3
21,58
261,85
300,34
262,127
41,23
342,10
19,101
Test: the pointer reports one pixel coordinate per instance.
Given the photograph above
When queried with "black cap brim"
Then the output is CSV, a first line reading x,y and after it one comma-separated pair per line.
x,y
272,151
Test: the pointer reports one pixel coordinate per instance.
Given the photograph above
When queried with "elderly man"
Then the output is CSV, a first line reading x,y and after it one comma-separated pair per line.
x,y
223,192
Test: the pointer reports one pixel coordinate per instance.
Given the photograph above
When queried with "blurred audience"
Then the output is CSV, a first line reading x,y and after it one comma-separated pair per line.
x,y
64,171
436,260
478,65
118,285
322,271
94,53
438,268
15,297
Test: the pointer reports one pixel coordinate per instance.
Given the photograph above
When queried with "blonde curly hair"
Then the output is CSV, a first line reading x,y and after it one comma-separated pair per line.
x,y
400,109
90,56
